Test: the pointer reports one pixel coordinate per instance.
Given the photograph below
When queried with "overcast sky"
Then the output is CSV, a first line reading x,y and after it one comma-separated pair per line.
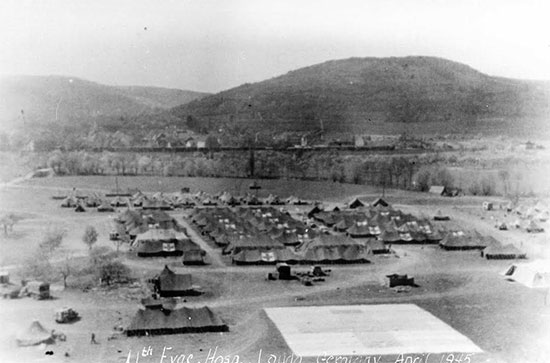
x,y
214,45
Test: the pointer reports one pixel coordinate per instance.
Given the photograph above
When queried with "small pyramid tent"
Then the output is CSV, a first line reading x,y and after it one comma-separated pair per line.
x,y
356,203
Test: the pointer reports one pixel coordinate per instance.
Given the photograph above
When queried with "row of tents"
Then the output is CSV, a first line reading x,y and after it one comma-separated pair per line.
x,y
154,233
267,235
382,222
169,201
490,248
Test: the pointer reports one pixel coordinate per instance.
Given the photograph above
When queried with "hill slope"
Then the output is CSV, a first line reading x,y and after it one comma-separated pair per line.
x,y
356,94
66,100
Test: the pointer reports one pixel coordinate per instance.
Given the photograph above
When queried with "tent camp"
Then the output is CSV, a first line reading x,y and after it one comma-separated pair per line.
x,y
35,334
169,283
177,321
534,274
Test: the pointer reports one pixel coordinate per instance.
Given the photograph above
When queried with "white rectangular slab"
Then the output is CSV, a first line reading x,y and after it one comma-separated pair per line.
x,y
366,330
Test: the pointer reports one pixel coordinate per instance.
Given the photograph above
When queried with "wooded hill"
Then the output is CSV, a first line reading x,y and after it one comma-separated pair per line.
x,y
375,95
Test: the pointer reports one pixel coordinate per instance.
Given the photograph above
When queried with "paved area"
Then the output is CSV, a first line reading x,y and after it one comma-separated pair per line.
x,y
366,330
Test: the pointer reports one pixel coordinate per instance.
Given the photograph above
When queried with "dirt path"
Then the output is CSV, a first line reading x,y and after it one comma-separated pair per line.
x,y
216,260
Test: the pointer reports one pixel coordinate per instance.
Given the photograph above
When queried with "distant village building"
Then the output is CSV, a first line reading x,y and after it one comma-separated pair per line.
x,y
359,141
437,189
190,143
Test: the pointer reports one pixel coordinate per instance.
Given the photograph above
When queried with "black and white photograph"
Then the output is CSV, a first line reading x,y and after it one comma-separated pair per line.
x,y
275,181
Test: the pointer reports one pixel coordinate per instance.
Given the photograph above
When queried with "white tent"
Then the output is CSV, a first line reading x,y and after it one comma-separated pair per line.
x,y
35,334
530,274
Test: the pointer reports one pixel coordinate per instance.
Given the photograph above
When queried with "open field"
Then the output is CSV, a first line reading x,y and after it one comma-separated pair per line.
x,y
508,321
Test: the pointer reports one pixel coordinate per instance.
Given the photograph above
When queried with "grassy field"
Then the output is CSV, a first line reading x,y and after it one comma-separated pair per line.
x,y
508,321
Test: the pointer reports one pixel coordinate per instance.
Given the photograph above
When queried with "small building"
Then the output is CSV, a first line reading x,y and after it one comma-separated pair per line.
x,y
359,141
394,280
437,189
4,277
284,271
488,205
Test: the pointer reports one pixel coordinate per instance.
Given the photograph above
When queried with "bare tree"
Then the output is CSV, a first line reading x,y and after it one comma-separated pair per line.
x,y
66,269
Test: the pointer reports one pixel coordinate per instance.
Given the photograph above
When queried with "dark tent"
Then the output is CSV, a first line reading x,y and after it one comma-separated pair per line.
x,y
169,283
356,203
177,321
162,242
377,246
169,303
105,207
500,252
457,240
380,202
120,202
295,201
441,217
69,202
334,249
314,211
194,257
359,229
93,201
534,228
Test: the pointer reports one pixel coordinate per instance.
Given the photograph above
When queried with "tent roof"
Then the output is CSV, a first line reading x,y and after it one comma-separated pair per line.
x,y
172,281
177,319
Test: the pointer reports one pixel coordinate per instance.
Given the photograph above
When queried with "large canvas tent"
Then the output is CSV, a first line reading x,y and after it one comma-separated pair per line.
x,y
35,334
535,274
334,249
169,284
177,321
163,242
500,252
458,240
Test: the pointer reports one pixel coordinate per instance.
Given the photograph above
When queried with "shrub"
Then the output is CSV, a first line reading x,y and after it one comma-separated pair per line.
x,y
111,272
101,254
52,240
